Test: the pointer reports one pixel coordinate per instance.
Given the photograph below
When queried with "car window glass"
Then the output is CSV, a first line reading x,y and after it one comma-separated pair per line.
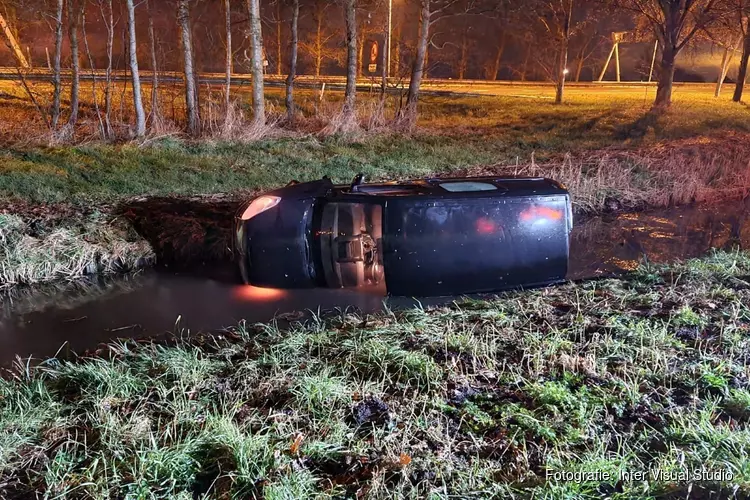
x,y
459,187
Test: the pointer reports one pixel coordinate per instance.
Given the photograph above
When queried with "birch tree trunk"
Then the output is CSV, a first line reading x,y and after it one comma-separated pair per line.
x,y
75,62
154,64
350,94
228,61
110,23
278,37
13,44
140,114
56,79
183,18
290,111
256,46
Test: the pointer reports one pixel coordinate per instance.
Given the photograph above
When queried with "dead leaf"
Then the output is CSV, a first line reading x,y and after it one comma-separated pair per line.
x,y
404,460
294,449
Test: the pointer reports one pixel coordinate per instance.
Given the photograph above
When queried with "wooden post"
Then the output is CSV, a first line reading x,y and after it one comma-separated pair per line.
x,y
617,60
653,60
606,64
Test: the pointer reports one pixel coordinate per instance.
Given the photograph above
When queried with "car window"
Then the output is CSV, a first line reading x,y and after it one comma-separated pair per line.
x,y
460,187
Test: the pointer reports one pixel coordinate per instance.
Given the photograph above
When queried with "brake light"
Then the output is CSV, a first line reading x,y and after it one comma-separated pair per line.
x,y
260,205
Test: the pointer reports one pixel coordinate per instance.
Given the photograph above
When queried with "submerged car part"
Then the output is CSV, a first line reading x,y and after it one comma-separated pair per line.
x,y
420,238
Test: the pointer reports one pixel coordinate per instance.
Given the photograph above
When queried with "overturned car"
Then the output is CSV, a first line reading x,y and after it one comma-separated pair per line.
x,y
425,237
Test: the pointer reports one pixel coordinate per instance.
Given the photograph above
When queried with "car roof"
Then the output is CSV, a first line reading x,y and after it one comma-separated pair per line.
x,y
461,187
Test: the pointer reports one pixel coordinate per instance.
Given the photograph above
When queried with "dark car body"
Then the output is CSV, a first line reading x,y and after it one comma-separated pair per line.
x,y
425,237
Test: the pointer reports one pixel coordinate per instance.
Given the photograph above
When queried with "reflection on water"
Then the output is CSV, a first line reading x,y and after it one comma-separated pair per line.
x,y
609,245
84,314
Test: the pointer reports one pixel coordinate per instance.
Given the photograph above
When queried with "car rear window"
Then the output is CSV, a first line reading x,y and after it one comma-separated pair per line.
x,y
460,187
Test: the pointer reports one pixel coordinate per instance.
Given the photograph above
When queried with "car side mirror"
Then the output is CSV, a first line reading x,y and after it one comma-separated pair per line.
x,y
358,181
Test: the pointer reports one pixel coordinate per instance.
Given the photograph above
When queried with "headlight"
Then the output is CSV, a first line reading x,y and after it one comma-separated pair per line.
x,y
260,205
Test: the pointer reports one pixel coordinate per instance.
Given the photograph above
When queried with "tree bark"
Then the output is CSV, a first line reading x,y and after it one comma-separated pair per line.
x,y
278,37
109,22
463,62
256,46
360,53
154,64
183,17
318,42
499,57
13,44
419,64
742,73
666,77
562,70
396,50
140,114
350,94
290,111
726,61
95,97
525,67
228,60
579,68
56,79
75,62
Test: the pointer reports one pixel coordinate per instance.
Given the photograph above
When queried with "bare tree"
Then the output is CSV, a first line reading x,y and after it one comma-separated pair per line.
x,y
431,11
140,114
409,114
278,37
350,94
256,49
675,23
463,60
228,57
56,78
95,97
74,16
154,64
191,105
109,23
316,46
493,70
292,61
556,19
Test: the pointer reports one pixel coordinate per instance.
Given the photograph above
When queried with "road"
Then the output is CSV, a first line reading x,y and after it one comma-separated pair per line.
x,y
437,86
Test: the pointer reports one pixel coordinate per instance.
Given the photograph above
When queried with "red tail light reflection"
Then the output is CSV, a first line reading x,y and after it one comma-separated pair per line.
x,y
536,212
486,226
257,294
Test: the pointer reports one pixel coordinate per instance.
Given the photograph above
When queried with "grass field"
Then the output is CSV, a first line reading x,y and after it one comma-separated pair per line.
x,y
602,143
479,399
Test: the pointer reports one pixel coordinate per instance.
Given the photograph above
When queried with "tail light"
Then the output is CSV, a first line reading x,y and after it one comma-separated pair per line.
x,y
260,205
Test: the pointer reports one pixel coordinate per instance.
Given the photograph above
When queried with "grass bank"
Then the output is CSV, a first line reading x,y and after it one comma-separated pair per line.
x,y
482,398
